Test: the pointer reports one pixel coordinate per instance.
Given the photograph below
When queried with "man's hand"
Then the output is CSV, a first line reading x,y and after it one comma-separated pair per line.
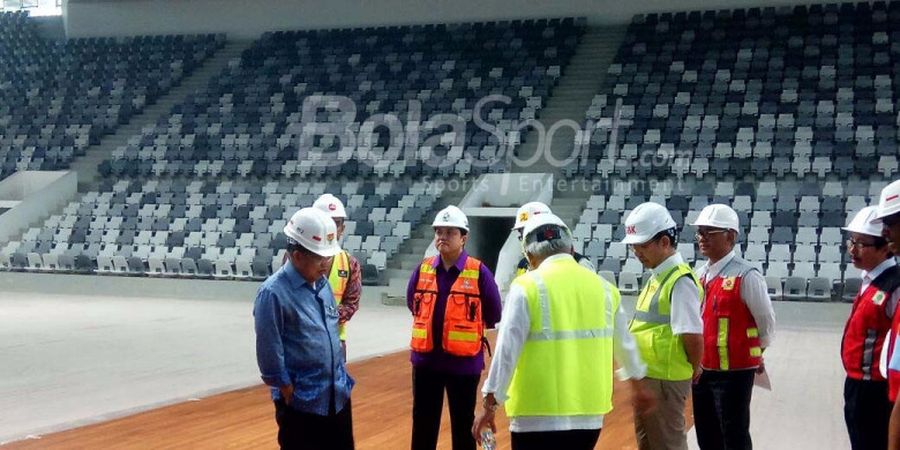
x,y
287,393
697,372
762,365
485,419
642,398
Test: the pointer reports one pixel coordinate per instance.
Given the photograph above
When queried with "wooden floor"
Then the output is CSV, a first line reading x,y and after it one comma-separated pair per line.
x,y
245,419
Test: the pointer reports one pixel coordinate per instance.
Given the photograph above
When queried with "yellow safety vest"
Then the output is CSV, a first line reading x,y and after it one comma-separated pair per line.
x,y
338,279
652,327
566,364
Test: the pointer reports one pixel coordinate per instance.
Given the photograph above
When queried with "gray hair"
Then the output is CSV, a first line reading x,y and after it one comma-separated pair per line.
x,y
546,248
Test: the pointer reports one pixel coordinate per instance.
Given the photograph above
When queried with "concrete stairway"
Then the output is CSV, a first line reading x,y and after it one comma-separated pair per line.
x,y
580,81
87,165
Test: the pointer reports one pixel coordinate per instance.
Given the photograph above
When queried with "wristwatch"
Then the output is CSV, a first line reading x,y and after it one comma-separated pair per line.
x,y
489,405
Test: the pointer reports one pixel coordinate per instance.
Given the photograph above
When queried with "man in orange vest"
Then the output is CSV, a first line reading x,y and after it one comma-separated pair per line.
x,y
453,298
738,324
345,274
867,409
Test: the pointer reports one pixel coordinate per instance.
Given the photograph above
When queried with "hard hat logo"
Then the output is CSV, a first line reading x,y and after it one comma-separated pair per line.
x,y
317,238
630,229
446,216
332,207
523,217
330,237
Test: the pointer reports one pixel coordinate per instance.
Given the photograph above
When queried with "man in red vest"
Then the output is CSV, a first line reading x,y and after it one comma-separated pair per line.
x,y
738,325
867,408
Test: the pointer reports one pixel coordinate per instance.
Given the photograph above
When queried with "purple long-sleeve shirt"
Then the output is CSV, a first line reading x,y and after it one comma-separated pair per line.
x,y
437,360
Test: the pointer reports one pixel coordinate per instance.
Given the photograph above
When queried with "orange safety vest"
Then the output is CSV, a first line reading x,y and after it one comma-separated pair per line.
x,y
463,326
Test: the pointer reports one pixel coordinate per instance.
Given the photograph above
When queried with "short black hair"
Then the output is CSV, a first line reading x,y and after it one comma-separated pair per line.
x,y
294,246
671,233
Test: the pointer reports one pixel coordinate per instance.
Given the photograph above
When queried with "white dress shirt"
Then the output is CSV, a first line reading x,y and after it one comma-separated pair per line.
x,y
685,308
512,332
754,293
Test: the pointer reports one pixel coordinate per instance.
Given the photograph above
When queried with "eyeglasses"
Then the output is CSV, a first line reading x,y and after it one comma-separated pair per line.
x,y
706,234
851,243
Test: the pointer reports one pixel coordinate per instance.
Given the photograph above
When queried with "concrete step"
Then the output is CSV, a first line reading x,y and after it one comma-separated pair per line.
x,y
581,80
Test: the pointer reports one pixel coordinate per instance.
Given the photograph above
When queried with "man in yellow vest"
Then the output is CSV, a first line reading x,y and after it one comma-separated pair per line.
x,y
666,325
553,365
345,274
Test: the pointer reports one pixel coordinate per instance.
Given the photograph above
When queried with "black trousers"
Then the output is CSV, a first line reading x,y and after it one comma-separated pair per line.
x,y
543,440
867,412
303,431
428,402
722,409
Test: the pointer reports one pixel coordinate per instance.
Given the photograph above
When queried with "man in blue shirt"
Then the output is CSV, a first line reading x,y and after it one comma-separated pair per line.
x,y
297,345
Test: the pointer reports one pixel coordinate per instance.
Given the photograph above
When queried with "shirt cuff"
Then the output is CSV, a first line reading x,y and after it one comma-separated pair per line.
x,y
282,379
622,374
497,396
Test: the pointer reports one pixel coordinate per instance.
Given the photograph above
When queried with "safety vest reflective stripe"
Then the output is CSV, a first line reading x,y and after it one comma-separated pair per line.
x,y
652,314
722,343
547,334
463,336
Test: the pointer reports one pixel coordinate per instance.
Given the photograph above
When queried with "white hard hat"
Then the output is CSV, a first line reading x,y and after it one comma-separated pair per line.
x,y
314,230
541,220
330,205
645,222
719,216
451,216
529,211
889,204
862,222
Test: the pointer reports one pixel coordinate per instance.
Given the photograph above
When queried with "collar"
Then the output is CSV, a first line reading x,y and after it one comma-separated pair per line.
x,y
712,270
557,257
879,269
667,264
460,262
298,281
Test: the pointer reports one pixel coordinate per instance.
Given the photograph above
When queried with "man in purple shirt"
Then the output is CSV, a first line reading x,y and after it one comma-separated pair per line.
x,y
446,355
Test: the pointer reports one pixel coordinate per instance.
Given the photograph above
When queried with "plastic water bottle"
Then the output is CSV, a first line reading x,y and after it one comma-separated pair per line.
x,y
487,439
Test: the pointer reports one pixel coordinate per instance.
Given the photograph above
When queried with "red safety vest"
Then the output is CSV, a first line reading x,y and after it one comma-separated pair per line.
x,y
864,334
730,334
463,328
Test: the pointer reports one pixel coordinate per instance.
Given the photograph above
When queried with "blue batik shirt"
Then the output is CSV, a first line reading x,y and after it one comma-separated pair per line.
x,y
297,342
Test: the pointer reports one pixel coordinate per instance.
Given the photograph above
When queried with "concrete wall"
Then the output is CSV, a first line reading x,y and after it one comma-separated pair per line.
x,y
499,196
242,19
50,27
35,196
